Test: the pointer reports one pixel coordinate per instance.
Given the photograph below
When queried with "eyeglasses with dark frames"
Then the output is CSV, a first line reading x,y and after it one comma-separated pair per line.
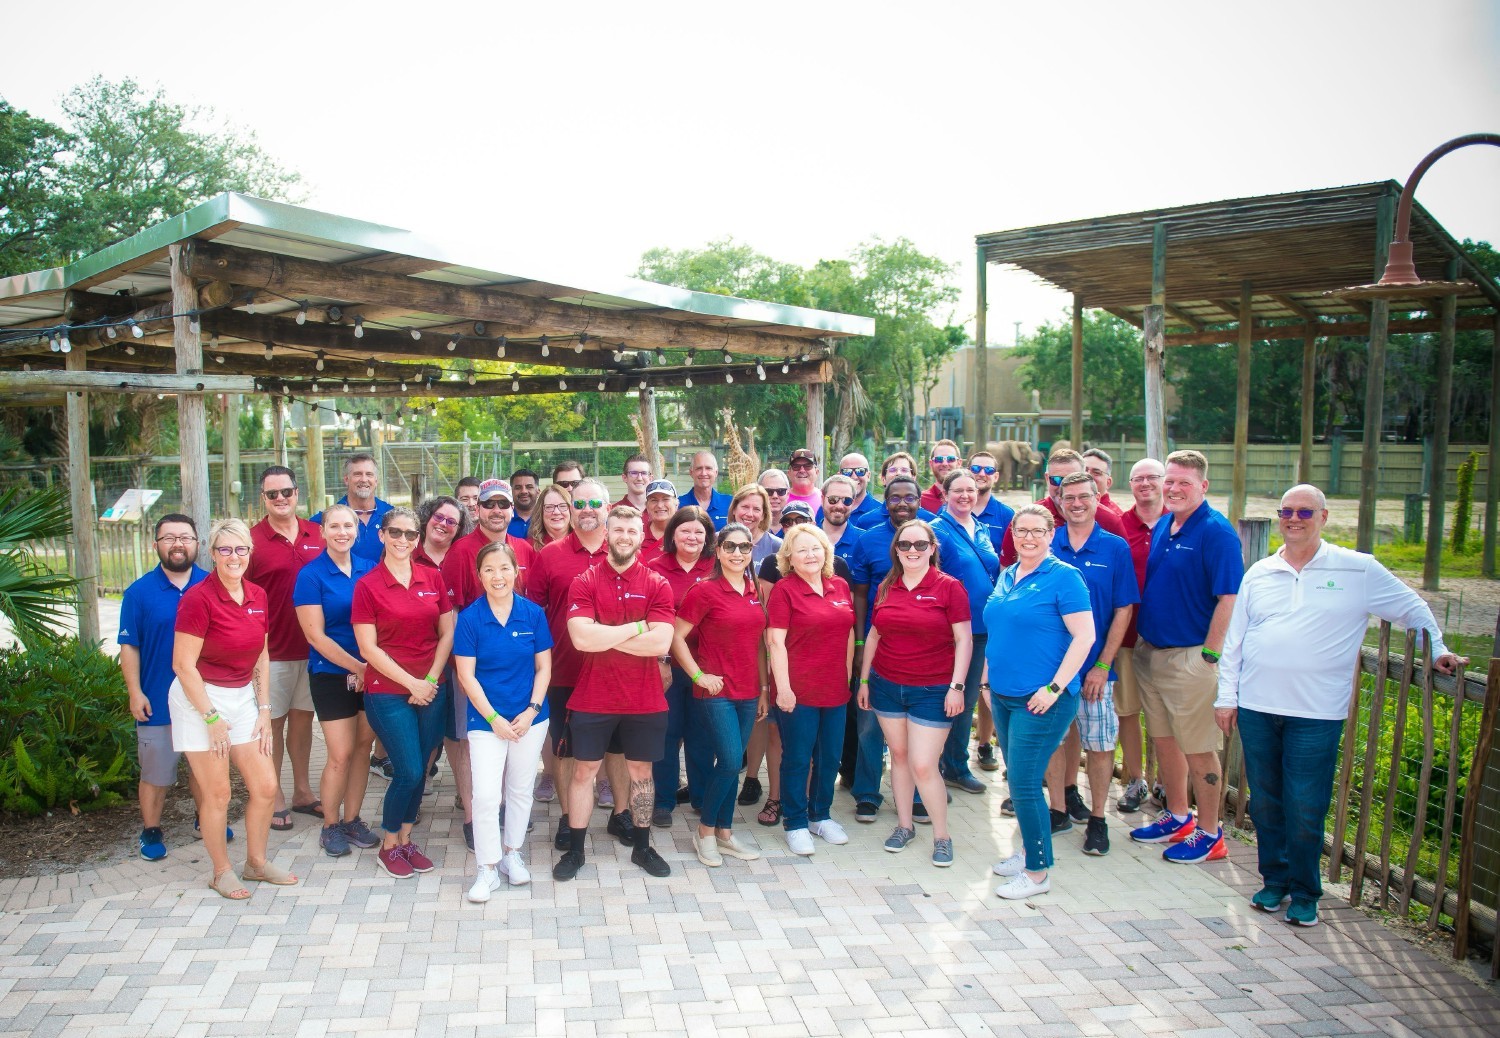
x,y
225,551
901,499
184,539
495,502
568,484
742,547
859,473
776,492
845,501
442,520
913,545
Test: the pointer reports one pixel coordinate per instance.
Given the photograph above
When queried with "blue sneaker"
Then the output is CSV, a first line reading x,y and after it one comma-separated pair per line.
x,y
198,833
359,834
1200,846
1165,829
153,847
334,841
1303,912
1269,898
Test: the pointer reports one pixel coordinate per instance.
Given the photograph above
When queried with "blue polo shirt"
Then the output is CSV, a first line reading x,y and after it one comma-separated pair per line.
x,y
972,560
873,517
321,583
1186,573
996,516
1104,560
718,506
367,542
1028,638
148,618
845,546
519,527
504,656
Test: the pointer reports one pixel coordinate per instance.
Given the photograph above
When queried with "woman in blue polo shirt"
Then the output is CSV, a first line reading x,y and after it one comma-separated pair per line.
x,y
323,597
502,656
1041,629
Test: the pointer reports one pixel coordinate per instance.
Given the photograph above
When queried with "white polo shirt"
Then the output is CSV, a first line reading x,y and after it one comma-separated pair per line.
x,y
1294,638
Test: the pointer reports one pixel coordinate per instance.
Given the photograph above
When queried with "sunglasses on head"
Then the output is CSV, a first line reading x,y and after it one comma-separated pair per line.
x,y
224,551
1300,513
982,470
495,502
395,534
855,473
592,502
742,547
839,500
443,520
913,545
285,492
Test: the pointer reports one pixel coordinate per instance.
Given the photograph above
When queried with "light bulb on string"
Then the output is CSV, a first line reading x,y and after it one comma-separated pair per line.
x,y
661,355
370,368
760,371
319,364
218,358
416,335
359,326
346,387
562,384
269,354
601,385
301,313
472,378
643,383
213,341
692,356
785,368
727,358
109,330
546,349
403,385
688,382
130,351
583,337
453,344
515,385
135,329
500,347
54,343
372,387
728,376
194,326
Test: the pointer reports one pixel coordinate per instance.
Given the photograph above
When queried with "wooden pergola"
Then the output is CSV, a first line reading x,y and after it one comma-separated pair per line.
x,y
245,296
1256,269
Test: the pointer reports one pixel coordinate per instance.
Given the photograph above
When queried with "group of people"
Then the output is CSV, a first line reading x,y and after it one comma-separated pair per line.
x,y
616,645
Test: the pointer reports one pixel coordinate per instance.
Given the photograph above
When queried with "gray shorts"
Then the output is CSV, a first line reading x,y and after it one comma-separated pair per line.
x,y
289,687
153,747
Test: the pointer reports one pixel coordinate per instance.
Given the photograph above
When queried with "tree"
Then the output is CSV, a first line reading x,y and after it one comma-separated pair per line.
x,y
1114,380
31,598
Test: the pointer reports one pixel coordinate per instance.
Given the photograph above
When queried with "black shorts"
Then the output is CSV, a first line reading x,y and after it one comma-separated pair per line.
x,y
557,719
640,737
332,697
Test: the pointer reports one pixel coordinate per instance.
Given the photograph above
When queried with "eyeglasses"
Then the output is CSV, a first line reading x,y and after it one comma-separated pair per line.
x,y
742,547
810,549
855,473
285,492
638,475
1074,499
1300,513
982,470
592,502
846,501
774,492
904,499
443,520
794,520
1145,479
800,465
410,535
1028,535
944,459
494,502
568,484
555,507
913,545
184,539
225,551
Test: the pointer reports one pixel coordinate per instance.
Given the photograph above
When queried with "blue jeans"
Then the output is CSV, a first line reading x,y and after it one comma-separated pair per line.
x,y
811,738
1289,762
1027,742
682,735
725,725
954,763
410,734
870,762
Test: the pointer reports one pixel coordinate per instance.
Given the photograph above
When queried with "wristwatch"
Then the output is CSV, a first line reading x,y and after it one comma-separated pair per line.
x,y
957,686
1053,688
537,707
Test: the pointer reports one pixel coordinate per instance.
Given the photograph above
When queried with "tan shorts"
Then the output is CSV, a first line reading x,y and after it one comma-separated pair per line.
x,y
1127,689
1178,688
289,687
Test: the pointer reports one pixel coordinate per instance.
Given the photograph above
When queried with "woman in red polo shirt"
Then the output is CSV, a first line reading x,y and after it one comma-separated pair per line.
x,y
811,640
443,520
920,633
403,622
687,559
220,705
551,518
720,641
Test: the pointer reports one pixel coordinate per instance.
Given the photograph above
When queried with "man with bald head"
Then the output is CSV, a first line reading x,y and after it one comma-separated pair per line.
x,y
1297,626
705,493
855,467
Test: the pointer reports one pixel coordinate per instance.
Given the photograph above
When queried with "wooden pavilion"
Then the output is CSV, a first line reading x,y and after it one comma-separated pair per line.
x,y
290,302
1251,269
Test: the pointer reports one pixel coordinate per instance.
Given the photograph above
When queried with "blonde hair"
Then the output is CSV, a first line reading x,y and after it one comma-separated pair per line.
x,y
754,490
1040,511
339,508
235,528
1190,459
784,553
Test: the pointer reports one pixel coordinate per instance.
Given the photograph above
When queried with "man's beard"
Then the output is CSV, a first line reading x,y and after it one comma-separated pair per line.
x,y
621,559
177,567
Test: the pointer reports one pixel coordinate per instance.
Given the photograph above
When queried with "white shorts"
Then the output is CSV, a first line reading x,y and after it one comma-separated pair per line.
x,y
235,705
289,687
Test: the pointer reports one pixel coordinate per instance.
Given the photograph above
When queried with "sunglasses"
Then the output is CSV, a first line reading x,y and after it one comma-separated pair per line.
x,y
846,501
854,473
494,502
568,484
982,470
1057,480
904,499
775,492
592,502
443,520
913,545
228,550
395,534
742,547
800,465
794,520
944,459
1300,513
286,492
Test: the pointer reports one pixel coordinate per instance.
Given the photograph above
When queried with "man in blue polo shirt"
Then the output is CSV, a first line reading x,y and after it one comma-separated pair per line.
x,y
1104,560
704,493
898,464
1192,577
834,515
359,494
148,614
989,510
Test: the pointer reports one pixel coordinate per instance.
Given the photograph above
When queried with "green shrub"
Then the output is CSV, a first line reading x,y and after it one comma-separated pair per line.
x,y
1465,503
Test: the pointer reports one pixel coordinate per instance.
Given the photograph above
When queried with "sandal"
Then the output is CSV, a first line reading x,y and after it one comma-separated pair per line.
x,y
315,808
281,821
268,873
770,814
227,885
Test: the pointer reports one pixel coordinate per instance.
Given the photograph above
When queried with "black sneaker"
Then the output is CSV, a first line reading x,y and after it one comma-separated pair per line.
x,y
1061,823
1007,808
919,814
864,811
987,759
1096,840
622,827
647,858
564,836
383,767
567,866
683,795
750,792
1076,808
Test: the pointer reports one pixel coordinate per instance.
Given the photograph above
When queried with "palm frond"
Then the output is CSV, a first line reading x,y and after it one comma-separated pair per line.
x,y
36,603
29,515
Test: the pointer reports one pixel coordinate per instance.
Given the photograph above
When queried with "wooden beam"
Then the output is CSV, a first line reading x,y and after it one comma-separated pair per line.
x,y
1076,368
1287,302
1309,397
981,412
1125,315
1242,405
1183,317
1265,330
307,277
81,501
1230,307
120,382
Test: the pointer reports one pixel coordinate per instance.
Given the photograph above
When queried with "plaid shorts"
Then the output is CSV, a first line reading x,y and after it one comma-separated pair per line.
x,y
1098,724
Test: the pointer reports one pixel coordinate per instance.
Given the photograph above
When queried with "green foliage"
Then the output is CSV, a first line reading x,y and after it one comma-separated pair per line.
x,y
543,416
31,598
1465,503
62,715
1113,385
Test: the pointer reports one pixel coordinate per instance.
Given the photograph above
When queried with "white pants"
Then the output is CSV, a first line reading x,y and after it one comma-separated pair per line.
x,y
498,763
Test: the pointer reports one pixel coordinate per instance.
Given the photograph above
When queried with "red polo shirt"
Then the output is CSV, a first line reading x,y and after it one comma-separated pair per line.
x,y
817,637
461,574
1138,536
615,682
682,580
650,547
916,629
233,633
1106,505
932,498
548,585
730,627
274,565
1107,521
405,619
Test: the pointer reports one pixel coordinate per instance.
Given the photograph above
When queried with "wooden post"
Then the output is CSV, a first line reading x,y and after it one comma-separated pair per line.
x,y
815,422
231,429
1424,776
278,430
1237,494
1309,395
313,440
192,413
1380,314
1346,774
1367,779
1492,475
81,501
1469,838
1154,329
1077,368
1255,540
649,431
981,425
1437,489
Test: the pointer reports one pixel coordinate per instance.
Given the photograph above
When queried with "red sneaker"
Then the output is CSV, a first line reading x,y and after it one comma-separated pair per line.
x,y
418,861
393,860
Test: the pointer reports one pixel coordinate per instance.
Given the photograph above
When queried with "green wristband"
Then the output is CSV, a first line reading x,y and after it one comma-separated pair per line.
x,y
1209,652
640,628
434,680
858,642
698,674
210,718
1101,665
864,681
490,720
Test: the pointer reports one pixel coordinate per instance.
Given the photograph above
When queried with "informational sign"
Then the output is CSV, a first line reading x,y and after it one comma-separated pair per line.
x,y
132,505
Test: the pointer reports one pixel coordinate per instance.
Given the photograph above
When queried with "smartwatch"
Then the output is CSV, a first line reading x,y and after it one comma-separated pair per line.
x,y
1052,687
537,707
957,686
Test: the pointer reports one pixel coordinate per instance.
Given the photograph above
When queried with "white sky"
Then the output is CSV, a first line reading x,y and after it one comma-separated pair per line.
x,y
583,134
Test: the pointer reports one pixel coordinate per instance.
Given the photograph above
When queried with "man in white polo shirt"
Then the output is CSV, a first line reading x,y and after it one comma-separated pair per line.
x,y
1284,677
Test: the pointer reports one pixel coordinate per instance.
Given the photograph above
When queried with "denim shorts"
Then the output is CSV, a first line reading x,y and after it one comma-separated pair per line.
x,y
920,704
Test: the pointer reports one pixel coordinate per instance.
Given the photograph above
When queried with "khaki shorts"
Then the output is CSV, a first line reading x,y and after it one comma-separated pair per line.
x,y
1178,688
1127,689
289,687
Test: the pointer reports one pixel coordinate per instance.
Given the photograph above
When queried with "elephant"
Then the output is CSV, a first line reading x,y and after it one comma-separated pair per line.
x,y
1016,461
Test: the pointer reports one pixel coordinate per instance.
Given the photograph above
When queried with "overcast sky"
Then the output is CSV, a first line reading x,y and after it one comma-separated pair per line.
x,y
580,135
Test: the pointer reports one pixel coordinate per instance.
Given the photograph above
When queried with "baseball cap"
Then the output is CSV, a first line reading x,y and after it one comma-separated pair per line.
x,y
796,508
661,486
492,488
802,454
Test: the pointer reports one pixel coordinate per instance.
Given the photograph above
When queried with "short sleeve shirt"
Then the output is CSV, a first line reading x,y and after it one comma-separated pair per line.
x,y
148,614
461,575
650,547
274,565
916,629
969,559
817,637
1186,573
717,509
548,585
1027,636
996,516
730,627
504,656
845,546
613,681
1138,536
682,580
405,619
1108,520
233,633
1104,560
322,583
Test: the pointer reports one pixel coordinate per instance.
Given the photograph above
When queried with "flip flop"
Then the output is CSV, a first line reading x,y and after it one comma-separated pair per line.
x,y
267,873
281,821
315,808
227,885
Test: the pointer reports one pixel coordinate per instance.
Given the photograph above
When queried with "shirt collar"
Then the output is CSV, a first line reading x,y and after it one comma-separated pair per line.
x,y
1061,539
1318,556
1199,514
574,544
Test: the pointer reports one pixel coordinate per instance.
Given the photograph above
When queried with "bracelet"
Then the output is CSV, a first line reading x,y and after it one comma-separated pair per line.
x,y
698,674
858,642
1101,665
211,718
864,681
640,628
490,720
434,680
266,707
1210,654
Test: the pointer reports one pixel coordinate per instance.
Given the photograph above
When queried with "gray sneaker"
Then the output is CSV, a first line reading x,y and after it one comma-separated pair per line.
x,y
358,833
942,852
335,843
1135,795
899,838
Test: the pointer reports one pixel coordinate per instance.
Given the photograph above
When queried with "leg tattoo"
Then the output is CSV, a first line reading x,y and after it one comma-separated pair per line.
x,y
642,800
1211,779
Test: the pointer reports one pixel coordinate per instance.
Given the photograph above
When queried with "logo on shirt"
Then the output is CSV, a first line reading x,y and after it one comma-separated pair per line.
x,y
124,633
253,612
521,634
627,594
426,594
838,601
1331,585
926,598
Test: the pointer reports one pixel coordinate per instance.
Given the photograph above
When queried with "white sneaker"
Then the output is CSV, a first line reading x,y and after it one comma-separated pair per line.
x,y
736,848
1023,886
515,869
829,830
800,841
708,850
485,883
1012,866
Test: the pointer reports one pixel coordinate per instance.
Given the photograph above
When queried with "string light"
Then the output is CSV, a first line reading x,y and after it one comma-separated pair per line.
x,y
346,386
760,371
370,368
643,383
500,347
472,378
728,377
372,387
515,386
661,355
403,385
688,382
785,368
727,358
601,385
218,358
416,335
319,364
545,348
130,351
562,384
135,329
66,343
213,341
583,337
110,331
692,356
302,314
359,326
269,354
453,344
